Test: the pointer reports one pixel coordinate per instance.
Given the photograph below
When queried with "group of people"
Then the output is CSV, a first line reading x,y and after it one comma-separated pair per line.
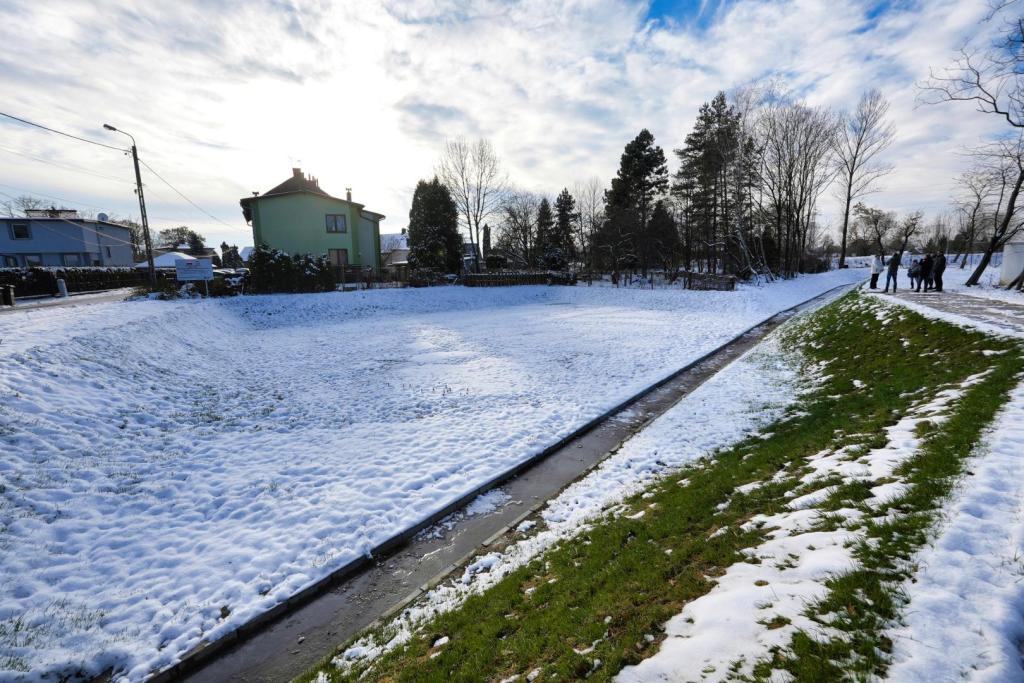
x,y
924,272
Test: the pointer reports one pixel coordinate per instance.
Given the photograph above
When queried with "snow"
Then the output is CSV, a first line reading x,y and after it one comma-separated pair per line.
x,y
757,606
172,469
167,260
988,286
965,617
741,399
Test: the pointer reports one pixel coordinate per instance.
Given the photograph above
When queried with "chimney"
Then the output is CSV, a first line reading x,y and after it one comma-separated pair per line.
x,y
348,193
296,172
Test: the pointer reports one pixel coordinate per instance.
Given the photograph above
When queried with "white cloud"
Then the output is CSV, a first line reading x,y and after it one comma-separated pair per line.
x,y
225,97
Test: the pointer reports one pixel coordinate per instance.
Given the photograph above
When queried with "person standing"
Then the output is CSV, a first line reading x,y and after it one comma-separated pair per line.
x,y
938,268
876,270
926,273
914,272
890,275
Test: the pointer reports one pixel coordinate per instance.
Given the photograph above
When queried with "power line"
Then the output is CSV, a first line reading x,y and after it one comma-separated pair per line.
x,y
60,132
67,167
77,225
182,195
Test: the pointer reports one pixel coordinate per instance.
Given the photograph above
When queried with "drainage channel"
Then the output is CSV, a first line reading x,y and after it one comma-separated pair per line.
x,y
291,644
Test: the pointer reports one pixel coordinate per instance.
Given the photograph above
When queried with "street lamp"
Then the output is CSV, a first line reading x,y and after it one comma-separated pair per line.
x,y
142,205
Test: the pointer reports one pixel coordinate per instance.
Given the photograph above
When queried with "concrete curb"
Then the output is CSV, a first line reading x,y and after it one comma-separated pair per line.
x,y
202,652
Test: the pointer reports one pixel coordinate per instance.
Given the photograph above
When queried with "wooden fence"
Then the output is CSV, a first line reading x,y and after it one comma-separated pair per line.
x,y
509,278
708,281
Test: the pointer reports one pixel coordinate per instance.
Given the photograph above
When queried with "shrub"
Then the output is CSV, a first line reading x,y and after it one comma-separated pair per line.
x,y
273,271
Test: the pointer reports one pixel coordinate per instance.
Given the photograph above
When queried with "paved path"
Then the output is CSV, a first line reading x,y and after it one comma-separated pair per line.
x,y
1001,314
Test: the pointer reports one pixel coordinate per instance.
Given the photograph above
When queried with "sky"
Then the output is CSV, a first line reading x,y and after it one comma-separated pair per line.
x,y
226,97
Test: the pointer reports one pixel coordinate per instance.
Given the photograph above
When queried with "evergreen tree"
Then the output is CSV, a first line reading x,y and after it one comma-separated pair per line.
x,y
487,240
565,217
664,237
713,181
641,180
434,239
549,255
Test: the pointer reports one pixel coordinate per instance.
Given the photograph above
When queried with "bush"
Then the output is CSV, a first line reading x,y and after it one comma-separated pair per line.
x,y
273,271
41,281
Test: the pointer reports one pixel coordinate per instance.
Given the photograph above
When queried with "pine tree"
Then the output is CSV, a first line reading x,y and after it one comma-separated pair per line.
x,y
549,255
487,240
641,180
434,239
565,215
664,237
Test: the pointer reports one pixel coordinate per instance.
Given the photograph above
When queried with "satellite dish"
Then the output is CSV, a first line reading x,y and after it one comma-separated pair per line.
x,y
101,217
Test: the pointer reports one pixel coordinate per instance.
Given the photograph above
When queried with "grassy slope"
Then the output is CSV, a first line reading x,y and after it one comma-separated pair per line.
x,y
616,585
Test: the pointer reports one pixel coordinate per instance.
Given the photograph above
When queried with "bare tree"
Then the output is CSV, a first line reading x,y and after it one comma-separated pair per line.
x,y
18,206
517,240
970,207
991,77
1006,161
796,142
905,231
874,225
864,135
589,196
473,175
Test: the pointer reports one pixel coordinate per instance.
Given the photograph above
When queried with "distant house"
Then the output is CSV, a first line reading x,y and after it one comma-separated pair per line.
x,y
1013,260
56,237
297,217
394,254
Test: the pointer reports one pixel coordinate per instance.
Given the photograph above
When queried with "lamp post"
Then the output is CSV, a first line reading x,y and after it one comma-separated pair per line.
x,y
142,206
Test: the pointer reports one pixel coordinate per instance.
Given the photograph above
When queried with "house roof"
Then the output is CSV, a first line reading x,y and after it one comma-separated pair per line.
x,y
166,260
301,183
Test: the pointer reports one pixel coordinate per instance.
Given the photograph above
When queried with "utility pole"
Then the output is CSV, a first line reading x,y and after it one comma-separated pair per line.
x,y
142,206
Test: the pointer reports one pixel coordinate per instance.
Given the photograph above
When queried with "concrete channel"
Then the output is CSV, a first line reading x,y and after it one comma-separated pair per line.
x,y
298,636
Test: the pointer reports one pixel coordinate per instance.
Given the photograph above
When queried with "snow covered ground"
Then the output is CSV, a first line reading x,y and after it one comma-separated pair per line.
x,y
170,469
965,616
738,401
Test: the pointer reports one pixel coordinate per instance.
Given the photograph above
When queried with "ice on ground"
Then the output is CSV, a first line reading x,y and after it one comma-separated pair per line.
x,y
172,469
964,620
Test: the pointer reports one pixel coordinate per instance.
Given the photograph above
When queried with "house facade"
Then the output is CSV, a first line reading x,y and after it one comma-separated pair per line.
x,y
297,217
47,240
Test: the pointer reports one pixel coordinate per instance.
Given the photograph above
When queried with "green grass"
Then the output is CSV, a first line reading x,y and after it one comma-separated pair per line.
x,y
614,586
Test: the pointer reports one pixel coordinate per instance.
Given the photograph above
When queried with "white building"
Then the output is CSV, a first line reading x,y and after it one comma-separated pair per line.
x,y
1013,259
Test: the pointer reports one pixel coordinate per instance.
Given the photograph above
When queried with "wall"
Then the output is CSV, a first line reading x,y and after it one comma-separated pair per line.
x,y
294,224
52,239
1013,262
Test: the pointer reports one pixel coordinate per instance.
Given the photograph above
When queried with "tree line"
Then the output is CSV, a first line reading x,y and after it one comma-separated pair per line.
x,y
744,198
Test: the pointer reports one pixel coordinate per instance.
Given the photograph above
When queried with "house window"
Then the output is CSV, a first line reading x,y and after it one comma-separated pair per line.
x,y
33,260
20,231
72,259
339,257
10,261
336,222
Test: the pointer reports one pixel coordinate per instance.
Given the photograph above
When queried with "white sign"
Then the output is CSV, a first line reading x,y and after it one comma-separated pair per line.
x,y
199,269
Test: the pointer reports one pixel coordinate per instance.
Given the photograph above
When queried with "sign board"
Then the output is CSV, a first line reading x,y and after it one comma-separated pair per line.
x,y
199,269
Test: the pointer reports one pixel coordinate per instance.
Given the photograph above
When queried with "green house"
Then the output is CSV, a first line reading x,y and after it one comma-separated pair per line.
x,y
297,217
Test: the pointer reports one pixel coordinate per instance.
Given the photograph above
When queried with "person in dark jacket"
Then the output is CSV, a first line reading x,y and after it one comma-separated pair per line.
x,y
926,273
893,270
938,268
914,272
